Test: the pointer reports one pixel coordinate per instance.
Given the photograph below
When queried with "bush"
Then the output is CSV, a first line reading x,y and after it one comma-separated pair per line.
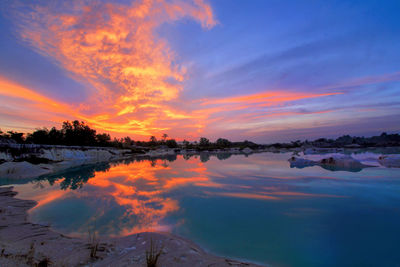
x,y
171,143
204,142
223,143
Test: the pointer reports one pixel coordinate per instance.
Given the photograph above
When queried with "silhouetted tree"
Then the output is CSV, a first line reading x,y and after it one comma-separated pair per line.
x,y
204,142
117,142
204,157
171,143
222,143
103,139
78,133
40,136
128,141
17,137
223,156
153,141
55,137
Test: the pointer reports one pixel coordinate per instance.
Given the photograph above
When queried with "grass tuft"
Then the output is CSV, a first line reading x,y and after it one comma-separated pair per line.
x,y
152,255
44,263
93,244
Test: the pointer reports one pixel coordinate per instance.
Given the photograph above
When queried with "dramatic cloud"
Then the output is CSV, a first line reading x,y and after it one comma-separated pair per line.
x,y
141,68
24,106
113,49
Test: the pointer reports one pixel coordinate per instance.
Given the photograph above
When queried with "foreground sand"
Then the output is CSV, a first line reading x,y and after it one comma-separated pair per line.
x,y
26,244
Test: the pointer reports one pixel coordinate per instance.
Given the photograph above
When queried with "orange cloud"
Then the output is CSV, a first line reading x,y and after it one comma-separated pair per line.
x,y
266,98
24,106
134,77
249,112
12,90
114,49
247,195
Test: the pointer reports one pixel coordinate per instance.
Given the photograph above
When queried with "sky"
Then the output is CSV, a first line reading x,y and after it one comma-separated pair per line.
x,y
260,70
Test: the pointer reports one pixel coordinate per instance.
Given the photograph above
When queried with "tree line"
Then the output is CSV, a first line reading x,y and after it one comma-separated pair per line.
x,y
75,133
78,133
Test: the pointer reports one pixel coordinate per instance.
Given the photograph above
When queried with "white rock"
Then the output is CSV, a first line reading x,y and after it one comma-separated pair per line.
x,y
300,163
342,162
247,150
367,158
21,170
390,161
333,162
63,157
5,156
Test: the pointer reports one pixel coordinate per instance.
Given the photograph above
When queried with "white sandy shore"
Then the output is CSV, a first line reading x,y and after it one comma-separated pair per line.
x,y
59,158
26,244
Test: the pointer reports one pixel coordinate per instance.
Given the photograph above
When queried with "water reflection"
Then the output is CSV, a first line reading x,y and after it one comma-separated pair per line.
x,y
138,194
77,177
136,190
222,201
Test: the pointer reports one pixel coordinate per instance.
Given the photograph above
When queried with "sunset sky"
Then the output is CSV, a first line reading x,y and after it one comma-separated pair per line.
x,y
260,70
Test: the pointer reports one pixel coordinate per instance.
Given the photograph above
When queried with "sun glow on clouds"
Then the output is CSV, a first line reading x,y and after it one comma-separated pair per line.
x,y
135,77
113,48
22,104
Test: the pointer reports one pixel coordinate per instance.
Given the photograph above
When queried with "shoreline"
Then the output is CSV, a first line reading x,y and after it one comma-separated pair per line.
x,y
23,243
21,163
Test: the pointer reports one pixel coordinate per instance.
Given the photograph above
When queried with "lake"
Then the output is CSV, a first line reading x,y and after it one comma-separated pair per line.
x,y
253,207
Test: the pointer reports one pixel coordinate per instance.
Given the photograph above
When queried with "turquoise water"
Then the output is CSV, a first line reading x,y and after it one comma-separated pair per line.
x,y
255,208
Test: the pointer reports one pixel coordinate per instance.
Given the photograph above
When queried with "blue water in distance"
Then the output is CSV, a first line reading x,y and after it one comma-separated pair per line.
x,y
254,208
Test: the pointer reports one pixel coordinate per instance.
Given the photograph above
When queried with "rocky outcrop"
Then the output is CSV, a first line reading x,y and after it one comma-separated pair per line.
x,y
63,154
342,163
335,162
161,152
30,161
390,161
301,163
23,170
6,156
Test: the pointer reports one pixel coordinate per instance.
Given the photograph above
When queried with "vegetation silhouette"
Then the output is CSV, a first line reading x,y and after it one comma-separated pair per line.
x,y
75,178
78,133
204,157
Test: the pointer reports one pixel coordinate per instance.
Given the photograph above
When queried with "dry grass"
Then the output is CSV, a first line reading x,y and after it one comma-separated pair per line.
x,y
44,262
152,255
93,243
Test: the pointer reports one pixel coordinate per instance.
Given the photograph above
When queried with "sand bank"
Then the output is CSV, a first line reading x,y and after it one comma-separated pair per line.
x,y
27,244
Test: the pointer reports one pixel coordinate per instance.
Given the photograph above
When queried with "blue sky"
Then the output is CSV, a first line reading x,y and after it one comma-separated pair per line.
x,y
257,70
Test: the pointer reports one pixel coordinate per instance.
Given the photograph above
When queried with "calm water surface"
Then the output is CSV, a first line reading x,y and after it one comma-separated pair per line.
x,y
255,208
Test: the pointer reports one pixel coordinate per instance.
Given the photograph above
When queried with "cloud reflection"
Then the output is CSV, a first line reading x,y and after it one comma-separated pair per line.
x,y
141,194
